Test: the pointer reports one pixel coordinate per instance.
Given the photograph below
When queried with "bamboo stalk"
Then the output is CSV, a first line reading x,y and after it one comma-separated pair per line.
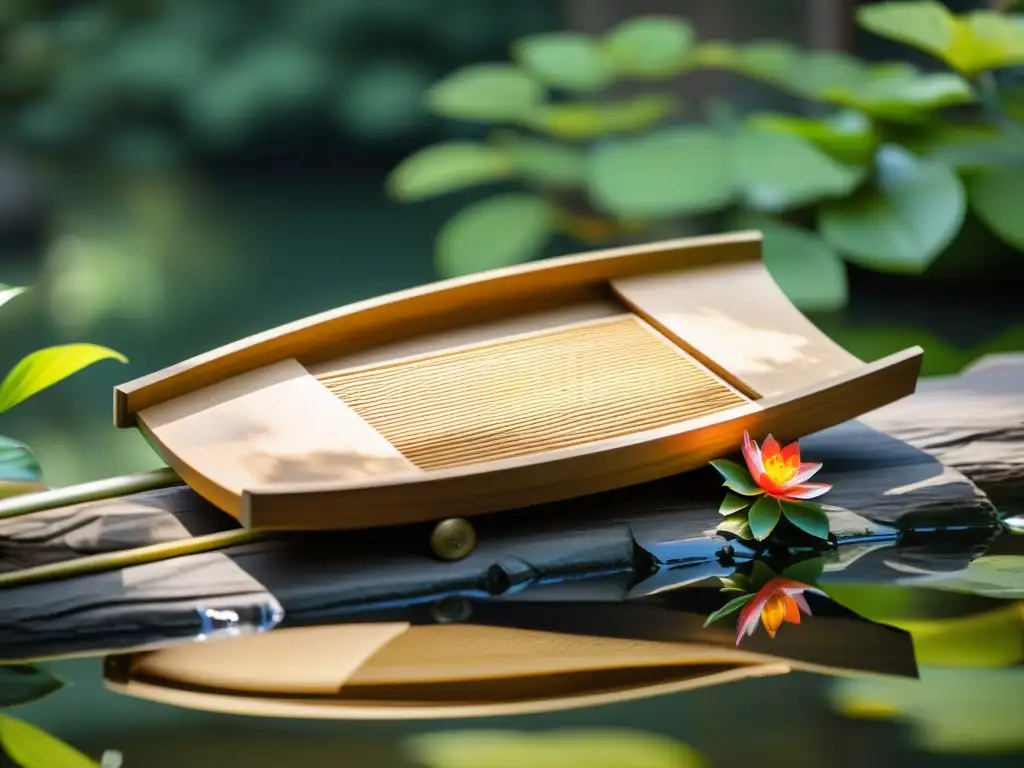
x,y
109,561
96,490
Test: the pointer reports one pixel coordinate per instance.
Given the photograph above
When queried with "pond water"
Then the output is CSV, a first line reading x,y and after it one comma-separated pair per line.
x,y
840,688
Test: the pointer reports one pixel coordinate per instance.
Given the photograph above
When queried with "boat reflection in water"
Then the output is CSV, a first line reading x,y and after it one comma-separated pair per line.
x,y
463,658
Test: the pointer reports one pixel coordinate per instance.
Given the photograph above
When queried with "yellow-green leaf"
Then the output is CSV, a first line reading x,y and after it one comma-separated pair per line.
x,y
971,43
447,167
587,120
848,135
31,747
46,367
733,503
567,748
730,607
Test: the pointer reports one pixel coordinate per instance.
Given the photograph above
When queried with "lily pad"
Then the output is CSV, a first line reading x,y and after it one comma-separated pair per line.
x,y
737,478
46,367
19,470
496,232
904,222
25,683
764,516
446,167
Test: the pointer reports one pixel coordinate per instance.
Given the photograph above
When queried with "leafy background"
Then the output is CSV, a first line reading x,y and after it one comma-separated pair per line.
x,y
175,174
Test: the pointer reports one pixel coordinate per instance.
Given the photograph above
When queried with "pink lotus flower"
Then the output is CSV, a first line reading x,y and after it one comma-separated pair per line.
x,y
779,600
778,471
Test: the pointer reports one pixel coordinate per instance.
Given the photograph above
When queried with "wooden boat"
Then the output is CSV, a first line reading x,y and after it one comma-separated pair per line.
x,y
506,389
396,669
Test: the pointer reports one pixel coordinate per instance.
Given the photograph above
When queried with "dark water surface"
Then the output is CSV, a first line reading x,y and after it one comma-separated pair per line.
x,y
956,606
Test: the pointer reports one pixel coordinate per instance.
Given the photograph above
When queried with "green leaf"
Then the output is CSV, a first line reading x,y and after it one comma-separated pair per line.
x,y
567,60
776,171
733,503
970,44
807,269
806,571
731,607
760,574
590,747
816,72
446,167
19,470
738,581
487,93
588,120
808,517
996,196
46,367
737,525
650,46
970,149
903,94
31,747
546,163
667,173
25,683
737,478
847,135
8,292
496,232
905,223
764,516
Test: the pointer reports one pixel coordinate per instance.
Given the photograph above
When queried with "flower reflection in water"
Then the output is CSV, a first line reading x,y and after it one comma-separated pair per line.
x,y
777,601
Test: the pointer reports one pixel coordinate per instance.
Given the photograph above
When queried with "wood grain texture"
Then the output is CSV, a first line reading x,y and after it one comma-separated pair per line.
x,y
539,392
449,304
274,425
887,478
521,481
736,319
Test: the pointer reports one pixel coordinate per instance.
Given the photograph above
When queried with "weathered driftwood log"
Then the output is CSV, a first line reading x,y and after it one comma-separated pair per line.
x,y
890,491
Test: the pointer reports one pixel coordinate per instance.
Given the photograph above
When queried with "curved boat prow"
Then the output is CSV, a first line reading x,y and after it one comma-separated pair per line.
x,y
506,389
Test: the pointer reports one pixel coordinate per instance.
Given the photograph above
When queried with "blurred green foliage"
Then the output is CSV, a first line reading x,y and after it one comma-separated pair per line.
x,y
882,176
150,83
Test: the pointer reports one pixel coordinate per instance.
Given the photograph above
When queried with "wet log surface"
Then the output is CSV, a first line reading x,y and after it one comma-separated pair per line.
x,y
901,475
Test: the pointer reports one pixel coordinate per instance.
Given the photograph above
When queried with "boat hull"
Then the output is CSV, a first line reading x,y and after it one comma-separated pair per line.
x,y
505,390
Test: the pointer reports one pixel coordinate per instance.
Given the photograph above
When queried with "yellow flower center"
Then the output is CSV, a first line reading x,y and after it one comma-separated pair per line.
x,y
774,612
779,470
